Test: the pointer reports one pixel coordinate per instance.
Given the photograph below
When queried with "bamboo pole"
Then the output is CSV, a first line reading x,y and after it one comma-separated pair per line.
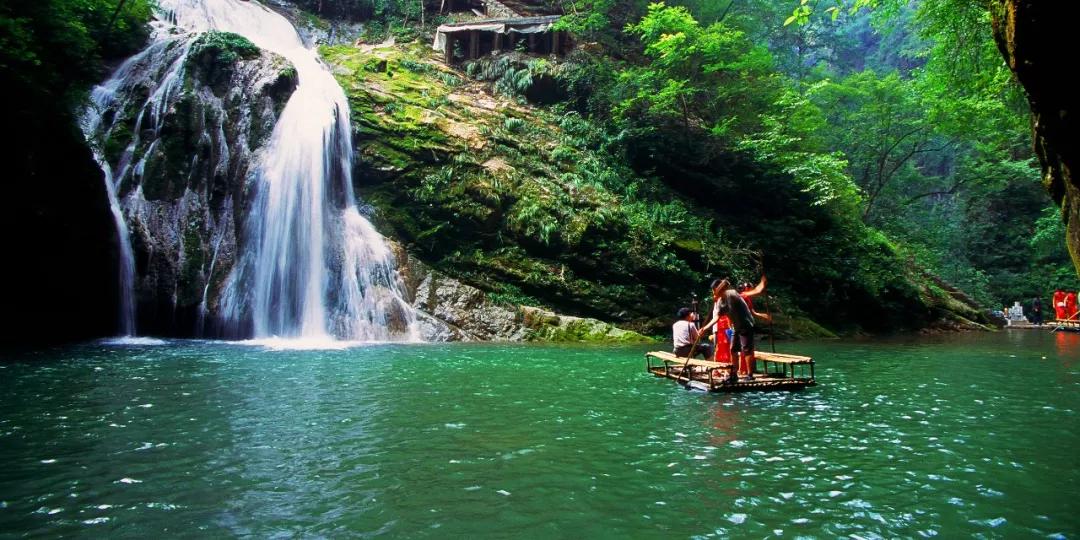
x,y
1061,324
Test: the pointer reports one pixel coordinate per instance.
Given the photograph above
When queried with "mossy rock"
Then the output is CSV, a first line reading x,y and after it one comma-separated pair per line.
x,y
548,327
214,56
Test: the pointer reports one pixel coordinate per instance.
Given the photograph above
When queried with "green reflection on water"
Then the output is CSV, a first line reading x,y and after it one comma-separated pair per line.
x,y
954,435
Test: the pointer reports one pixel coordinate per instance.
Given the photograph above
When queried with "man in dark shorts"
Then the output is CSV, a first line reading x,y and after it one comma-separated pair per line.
x,y
726,301
742,321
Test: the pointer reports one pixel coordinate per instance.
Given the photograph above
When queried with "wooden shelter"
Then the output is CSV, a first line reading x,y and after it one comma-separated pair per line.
x,y
483,8
781,372
473,39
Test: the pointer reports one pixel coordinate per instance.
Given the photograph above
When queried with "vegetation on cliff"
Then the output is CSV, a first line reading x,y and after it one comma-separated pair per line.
x,y
980,215
901,134
540,205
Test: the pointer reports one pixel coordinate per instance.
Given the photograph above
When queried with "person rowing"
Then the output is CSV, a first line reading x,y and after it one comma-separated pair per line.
x,y
726,301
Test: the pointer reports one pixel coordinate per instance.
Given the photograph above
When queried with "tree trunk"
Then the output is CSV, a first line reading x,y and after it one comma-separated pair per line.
x,y
116,13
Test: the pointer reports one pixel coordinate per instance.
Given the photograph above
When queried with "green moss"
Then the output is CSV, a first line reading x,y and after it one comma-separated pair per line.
x,y
509,294
547,327
168,166
214,55
118,140
312,20
222,47
191,279
799,327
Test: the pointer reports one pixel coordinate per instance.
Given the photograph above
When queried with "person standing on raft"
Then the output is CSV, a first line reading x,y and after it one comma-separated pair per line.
x,y
748,292
1036,311
1059,305
726,301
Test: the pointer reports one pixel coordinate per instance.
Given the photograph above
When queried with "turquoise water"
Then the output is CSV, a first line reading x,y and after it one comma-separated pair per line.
x,y
959,435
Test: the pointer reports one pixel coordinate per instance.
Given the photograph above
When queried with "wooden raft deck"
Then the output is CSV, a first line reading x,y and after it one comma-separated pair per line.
x,y
1051,325
1069,326
779,372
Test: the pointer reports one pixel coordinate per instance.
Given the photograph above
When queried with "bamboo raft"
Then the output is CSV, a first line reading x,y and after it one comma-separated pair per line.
x,y
1071,325
780,372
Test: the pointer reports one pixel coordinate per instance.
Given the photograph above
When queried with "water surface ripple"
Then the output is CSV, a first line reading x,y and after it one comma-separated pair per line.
x,y
957,435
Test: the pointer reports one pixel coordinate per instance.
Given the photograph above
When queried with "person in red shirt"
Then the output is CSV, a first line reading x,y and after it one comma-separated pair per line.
x,y
722,335
748,293
1059,304
723,338
1070,306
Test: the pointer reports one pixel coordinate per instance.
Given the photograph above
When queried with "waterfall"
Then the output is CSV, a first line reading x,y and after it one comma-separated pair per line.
x,y
311,265
126,278
93,123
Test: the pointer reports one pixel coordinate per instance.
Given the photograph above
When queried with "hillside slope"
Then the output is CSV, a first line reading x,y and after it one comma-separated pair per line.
x,y
535,205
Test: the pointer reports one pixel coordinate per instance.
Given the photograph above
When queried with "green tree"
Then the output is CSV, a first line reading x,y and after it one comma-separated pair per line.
x,y
711,77
880,124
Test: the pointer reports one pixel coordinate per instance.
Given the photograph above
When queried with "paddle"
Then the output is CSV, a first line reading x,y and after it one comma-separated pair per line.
x,y
690,355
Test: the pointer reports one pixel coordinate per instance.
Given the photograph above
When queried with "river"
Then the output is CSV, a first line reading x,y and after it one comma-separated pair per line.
x,y
970,434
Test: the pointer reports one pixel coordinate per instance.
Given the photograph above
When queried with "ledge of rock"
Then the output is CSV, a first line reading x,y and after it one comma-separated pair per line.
x,y
450,310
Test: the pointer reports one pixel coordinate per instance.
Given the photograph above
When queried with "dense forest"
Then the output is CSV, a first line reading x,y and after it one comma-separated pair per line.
x,y
873,162
910,103
902,127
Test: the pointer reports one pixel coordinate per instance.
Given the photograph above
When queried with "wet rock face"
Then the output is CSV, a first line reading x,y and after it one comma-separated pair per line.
x,y
186,188
1033,37
450,310
329,29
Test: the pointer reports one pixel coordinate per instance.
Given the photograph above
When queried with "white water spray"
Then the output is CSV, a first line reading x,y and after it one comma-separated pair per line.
x,y
113,94
313,270
312,266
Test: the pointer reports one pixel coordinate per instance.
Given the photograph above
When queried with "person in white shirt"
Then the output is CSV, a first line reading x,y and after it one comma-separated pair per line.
x,y
685,332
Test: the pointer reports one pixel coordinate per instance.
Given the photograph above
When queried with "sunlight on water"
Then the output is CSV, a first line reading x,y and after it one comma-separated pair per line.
x,y
957,436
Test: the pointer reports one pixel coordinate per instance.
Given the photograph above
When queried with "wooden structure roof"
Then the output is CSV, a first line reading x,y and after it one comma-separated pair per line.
x,y
484,36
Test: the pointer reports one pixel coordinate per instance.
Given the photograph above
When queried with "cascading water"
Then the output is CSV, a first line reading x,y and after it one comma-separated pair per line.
x,y
104,97
127,258
311,266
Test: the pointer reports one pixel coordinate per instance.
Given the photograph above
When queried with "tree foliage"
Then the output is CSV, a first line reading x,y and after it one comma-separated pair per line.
x,y
968,201
711,77
904,118
52,49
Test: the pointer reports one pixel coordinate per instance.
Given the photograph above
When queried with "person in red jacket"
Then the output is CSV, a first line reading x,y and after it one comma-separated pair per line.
x,y
748,292
1070,306
1059,304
